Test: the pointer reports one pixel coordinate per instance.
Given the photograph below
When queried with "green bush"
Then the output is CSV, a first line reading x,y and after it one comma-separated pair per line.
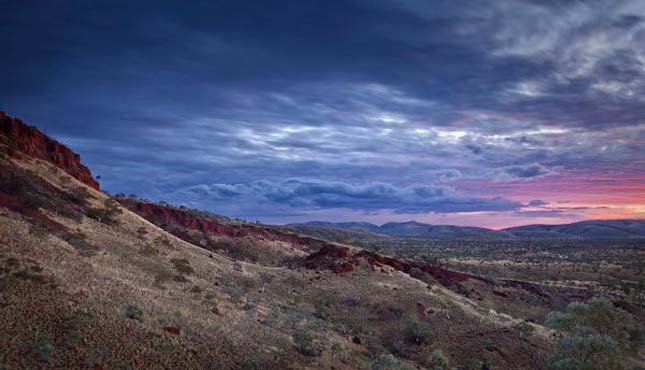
x,y
421,275
417,334
597,315
595,336
585,351
388,362
134,312
437,361
305,344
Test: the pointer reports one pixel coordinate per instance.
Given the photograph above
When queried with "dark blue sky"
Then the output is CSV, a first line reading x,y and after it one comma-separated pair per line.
x,y
337,110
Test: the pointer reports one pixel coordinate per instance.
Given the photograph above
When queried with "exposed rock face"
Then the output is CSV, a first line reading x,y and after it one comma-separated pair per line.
x,y
339,259
343,259
162,215
22,139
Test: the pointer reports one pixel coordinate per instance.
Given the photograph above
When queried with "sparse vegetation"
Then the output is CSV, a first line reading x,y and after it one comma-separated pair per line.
x,y
595,336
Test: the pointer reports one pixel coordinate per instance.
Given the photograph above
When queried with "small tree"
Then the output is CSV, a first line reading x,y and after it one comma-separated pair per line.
x,y
112,207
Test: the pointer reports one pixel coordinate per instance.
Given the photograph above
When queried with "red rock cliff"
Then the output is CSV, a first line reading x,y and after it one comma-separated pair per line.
x,y
21,138
162,215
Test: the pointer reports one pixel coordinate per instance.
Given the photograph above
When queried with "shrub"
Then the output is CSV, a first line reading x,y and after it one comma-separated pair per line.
x,y
595,336
305,344
585,352
31,276
134,312
142,232
162,240
597,315
336,350
74,324
437,361
45,350
106,214
161,278
112,205
78,194
148,251
38,230
196,289
388,362
416,334
421,275
397,347
68,212
78,240
182,265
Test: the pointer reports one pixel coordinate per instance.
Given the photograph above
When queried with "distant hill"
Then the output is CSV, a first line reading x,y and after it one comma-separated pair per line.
x,y
341,232
411,229
596,229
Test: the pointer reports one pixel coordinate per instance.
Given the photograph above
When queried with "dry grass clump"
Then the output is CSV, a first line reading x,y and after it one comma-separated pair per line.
x,y
79,241
182,265
148,251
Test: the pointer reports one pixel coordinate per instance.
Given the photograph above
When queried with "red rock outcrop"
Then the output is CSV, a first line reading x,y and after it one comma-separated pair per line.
x,y
22,139
341,259
164,215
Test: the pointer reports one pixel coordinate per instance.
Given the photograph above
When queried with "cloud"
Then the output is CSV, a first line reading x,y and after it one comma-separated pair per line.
x,y
409,92
316,194
526,171
537,203
544,213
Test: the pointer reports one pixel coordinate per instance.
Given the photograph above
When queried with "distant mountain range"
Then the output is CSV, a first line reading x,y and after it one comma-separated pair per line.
x,y
595,229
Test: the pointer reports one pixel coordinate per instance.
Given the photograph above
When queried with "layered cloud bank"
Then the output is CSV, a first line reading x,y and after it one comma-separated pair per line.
x,y
387,110
313,195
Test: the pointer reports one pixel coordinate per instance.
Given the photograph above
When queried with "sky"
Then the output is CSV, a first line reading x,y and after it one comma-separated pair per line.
x,y
487,113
